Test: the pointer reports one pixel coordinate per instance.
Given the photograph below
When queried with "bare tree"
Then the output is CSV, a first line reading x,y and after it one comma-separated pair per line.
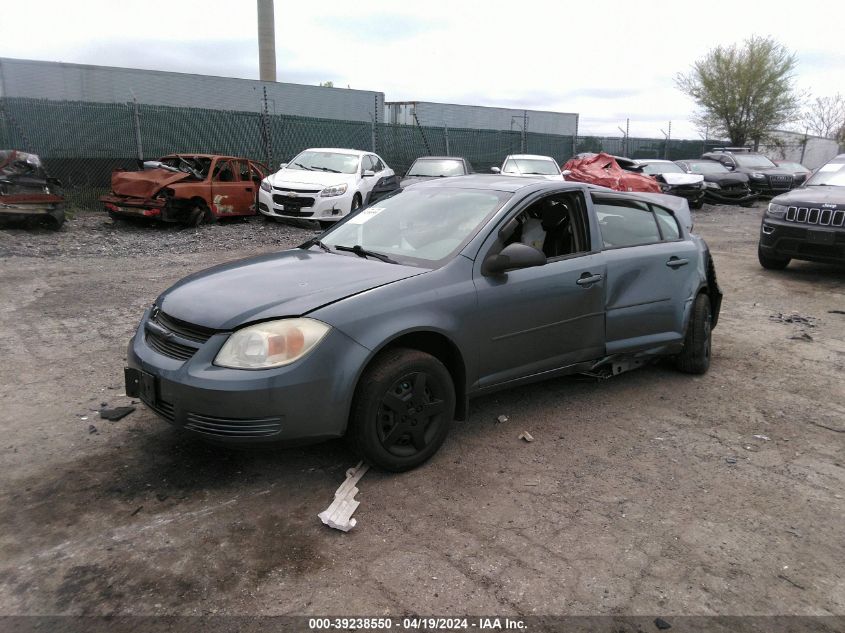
x,y
825,116
744,91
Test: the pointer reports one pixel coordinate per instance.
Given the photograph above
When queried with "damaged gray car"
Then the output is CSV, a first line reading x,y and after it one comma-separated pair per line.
x,y
27,193
383,328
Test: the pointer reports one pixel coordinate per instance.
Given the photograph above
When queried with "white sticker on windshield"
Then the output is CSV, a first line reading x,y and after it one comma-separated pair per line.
x,y
832,167
366,215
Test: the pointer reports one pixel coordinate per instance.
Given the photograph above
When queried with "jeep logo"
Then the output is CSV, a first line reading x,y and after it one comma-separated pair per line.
x,y
828,205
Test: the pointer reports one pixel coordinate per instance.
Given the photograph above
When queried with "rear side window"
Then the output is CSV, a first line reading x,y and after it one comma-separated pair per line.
x,y
668,224
626,223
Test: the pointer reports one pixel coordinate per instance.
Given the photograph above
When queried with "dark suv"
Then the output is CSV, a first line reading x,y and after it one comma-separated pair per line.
x,y
807,223
764,177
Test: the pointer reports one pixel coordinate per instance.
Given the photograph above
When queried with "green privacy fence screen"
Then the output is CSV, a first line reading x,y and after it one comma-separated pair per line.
x,y
82,142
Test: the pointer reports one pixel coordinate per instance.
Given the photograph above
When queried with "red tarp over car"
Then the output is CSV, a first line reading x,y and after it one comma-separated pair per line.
x,y
602,169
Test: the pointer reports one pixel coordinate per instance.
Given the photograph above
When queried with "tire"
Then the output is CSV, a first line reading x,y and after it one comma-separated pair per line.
x,y
116,216
326,225
772,262
748,204
695,357
402,409
696,205
199,215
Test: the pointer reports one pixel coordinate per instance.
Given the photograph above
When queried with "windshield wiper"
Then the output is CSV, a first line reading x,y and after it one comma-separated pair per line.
x,y
316,242
334,171
360,251
303,167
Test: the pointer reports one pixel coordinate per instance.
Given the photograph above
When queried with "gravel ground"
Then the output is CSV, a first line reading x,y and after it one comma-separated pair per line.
x,y
652,493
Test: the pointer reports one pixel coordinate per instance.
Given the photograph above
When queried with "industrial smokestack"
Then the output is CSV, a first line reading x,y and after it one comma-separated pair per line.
x,y
266,41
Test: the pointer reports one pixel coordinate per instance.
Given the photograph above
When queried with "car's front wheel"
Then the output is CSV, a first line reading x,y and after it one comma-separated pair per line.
x,y
403,407
772,262
695,357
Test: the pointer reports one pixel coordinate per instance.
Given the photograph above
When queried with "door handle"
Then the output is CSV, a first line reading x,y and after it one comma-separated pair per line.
x,y
586,279
674,262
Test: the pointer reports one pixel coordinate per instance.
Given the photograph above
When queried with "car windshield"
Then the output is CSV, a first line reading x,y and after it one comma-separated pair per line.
x,y
436,167
526,166
753,161
653,169
419,226
197,166
830,174
708,167
335,162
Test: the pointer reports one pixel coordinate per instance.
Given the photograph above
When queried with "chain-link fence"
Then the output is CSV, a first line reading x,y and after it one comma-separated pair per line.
x,y
82,142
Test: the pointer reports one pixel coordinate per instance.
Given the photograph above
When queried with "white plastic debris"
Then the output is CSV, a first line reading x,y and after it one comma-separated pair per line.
x,y
761,437
525,435
339,514
502,419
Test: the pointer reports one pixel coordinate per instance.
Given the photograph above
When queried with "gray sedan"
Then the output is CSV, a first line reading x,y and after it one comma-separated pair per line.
x,y
384,327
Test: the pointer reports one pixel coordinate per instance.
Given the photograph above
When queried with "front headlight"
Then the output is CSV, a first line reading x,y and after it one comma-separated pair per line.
x,y
757,176
334,190
665,187
711,185
271,344
776,210
265,185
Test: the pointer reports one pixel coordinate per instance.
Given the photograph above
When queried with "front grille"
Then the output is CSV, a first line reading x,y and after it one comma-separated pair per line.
x,y
293,203
233,427
780,182
162,408
189,331
169,348
302,191
823,217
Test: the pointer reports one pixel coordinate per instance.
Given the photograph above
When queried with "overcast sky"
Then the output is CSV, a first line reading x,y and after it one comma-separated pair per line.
x,y
606,60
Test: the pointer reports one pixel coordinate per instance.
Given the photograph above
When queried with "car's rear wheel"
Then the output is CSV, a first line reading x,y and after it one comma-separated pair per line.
x,y
695,357
356,203
326,225
772,262
403,407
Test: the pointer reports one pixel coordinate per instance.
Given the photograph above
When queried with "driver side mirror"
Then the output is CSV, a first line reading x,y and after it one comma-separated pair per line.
x,y
282,165
368,173
513,257
496,170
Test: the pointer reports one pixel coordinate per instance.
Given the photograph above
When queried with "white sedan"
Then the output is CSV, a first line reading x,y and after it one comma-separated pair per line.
x,y
323,184
531,166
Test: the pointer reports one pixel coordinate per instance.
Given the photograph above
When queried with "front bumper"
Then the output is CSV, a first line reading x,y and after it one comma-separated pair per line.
x,y
305,206
136,207
815,243
728,196
693,194
770,187
307,400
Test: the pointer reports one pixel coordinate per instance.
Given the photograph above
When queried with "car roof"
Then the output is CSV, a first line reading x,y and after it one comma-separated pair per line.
x,y
494,182
534,156
440,158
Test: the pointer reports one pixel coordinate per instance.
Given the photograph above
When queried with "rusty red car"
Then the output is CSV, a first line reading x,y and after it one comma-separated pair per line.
x,y
188,188
603,169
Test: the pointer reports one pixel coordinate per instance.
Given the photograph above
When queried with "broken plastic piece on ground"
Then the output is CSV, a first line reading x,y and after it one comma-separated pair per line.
x,y
765,438
116,414
339,514
525,435
502,418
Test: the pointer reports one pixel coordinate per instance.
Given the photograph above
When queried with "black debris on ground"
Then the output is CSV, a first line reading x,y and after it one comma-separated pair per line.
x,y
662,624
118,413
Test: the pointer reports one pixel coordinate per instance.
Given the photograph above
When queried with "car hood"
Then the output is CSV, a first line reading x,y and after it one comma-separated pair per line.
x,y
146,183
290,283
813,195
681,179
319,179
769,171
538,176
